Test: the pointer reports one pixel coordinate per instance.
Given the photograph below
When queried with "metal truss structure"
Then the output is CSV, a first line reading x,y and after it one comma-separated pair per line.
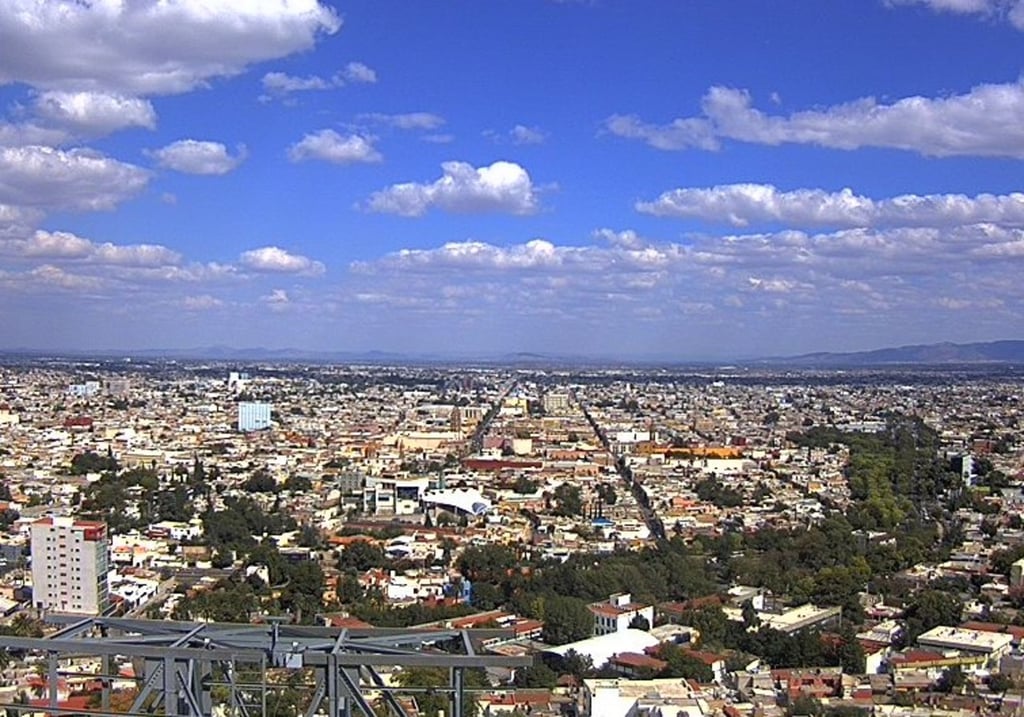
x,y
185,669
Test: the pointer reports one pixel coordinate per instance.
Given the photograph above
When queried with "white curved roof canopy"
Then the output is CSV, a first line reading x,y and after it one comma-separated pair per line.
x,y
468,500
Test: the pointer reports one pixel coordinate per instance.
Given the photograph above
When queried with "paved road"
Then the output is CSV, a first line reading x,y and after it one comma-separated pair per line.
x,y
653,522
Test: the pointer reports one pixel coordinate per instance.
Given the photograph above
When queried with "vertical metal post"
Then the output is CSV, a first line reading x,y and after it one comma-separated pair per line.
x,y
263,677
51,676
170,688
457,691
107,679
332,678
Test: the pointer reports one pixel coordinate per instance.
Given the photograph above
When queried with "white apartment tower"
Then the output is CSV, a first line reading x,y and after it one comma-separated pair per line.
x,y
253,416
69,565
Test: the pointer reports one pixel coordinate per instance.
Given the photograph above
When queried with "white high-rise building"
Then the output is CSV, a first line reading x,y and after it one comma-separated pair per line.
x,y
253,416
69,565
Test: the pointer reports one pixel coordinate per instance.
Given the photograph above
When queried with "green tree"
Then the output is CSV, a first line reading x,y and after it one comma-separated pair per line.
x,y
361,555
639,622
568,500
681,664
566,619
537,675
261,482
931,608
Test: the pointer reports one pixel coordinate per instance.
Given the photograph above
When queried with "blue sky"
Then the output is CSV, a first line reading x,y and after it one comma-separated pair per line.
x,y
689,179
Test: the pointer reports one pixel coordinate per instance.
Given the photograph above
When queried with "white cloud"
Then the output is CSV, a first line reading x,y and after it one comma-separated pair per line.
x,y
56,245
409,120
274,260
44,177
680,134
329,146
65,246
19,134
358,72
786,274
281,83
17,222
94,113
743,204
192,156
146,48
277,300
521,134
627,239
501,187
55,277
963,7
986,121
1011,10
141,255
202,302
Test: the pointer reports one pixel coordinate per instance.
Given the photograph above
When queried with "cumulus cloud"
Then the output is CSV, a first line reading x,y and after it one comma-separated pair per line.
x,y
274,260
66,246
202,302
20,134
94,113
743,204
329,146
502,187
408,120
859,271
44,177
153,47
1011,10
277,300
18,222
54,277
281,83
986,121
192,156
521,134
358,72
627,238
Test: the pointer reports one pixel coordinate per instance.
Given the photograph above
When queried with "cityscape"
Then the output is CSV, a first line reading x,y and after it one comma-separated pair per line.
x,y
643,540
518,358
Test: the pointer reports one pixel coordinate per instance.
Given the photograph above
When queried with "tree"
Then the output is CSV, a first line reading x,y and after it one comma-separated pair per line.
x,y
566,619
639,622
681,664
298,484
931,608
361,555
569,500
1000,682
428,679
261,482
487,563
575,664
349,590
749,613
537,675
486,596
952,680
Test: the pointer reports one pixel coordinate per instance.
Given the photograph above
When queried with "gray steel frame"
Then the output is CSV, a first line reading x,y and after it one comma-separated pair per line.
x,y
182,661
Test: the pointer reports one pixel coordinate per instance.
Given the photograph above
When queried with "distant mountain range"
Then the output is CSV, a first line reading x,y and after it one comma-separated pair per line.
x,y
999,352
948,354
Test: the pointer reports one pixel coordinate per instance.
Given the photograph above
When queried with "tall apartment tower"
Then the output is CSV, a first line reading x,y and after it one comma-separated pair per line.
x,y
253,416
69,565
